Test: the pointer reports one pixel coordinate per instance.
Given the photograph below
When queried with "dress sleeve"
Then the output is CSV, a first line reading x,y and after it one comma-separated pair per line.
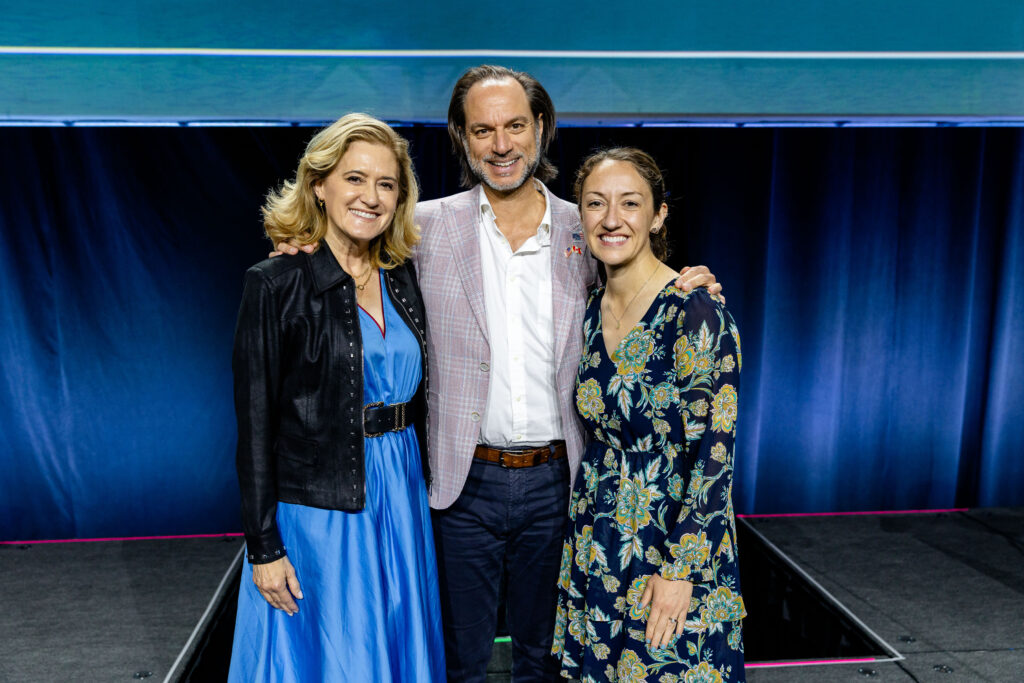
x,y
256,365
706,359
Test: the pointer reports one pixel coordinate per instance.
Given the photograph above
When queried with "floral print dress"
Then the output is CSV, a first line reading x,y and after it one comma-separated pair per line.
x,y
654,494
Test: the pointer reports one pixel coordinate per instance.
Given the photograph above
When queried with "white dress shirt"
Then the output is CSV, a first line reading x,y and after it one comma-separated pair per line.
x,y
522,406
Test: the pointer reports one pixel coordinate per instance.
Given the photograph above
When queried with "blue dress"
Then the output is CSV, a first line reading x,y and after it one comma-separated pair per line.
x,y
371,610
653,494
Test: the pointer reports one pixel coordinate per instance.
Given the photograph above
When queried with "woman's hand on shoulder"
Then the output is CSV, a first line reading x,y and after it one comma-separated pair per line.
x,y
292,248
691,277
278,584
670,601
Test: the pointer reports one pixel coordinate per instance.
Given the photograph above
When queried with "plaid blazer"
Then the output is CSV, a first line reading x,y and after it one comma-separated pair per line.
x,y
448,265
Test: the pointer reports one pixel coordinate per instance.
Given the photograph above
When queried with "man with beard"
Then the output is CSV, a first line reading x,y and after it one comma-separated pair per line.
x,y
504,273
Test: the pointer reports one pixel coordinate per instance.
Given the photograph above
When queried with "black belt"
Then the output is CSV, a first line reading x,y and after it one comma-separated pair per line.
x,y
378,419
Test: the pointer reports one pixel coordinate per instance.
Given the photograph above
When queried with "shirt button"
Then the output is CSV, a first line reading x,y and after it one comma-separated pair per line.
x,y
484,367
474,416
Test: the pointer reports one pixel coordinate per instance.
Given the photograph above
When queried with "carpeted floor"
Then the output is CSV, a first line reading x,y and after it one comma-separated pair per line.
x,y
105,611
944,589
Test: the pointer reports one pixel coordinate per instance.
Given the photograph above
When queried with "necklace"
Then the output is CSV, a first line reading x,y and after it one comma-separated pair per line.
x,y
362,286
618,318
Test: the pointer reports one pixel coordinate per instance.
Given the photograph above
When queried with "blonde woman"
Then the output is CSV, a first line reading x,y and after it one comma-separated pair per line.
x,y
340,582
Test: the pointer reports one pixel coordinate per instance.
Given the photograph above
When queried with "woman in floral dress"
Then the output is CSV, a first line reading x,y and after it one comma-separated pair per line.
x,y
649,585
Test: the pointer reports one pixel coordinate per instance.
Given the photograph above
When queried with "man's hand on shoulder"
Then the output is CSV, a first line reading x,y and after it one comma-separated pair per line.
x,y
290,248
691,277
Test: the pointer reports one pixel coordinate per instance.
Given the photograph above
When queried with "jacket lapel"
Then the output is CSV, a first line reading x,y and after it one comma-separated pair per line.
x,y
565,271
462,225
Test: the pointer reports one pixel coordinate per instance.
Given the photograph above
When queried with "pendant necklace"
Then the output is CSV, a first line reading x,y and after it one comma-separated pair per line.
x,y
618,318
362,286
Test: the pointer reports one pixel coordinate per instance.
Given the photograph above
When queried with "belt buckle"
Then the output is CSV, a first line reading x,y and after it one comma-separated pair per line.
x,y
501,459
518,454
378,404
399,417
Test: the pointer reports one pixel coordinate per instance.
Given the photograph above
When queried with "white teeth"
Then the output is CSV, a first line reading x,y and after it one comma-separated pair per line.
x,y
363,214
504,164
613,239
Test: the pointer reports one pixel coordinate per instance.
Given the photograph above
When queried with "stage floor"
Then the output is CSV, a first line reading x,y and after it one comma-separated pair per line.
x,y
941,593
102,611
944,590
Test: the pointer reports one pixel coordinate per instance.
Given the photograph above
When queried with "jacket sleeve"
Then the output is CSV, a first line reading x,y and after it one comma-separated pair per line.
x,y
256,364
706,357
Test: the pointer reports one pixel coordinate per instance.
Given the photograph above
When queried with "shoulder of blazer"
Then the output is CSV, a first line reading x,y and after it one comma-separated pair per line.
x,y
564,204
563,213
433,209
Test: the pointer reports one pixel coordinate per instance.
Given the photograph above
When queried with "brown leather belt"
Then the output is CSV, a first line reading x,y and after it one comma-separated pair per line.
x,y
527,457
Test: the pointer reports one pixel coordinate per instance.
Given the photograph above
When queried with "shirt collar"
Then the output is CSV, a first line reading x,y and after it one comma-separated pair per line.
x,y
543,230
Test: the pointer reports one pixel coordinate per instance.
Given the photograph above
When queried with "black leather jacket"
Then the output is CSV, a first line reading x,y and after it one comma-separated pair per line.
x,y
298,367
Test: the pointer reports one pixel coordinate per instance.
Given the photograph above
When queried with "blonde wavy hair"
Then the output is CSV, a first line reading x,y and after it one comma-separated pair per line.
x,y
291,212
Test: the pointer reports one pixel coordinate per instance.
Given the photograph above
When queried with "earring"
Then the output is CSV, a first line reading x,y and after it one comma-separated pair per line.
x,y
322,203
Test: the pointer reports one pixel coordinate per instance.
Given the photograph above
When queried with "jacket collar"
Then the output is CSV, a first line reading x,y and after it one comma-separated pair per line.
x,y
325,269
327,273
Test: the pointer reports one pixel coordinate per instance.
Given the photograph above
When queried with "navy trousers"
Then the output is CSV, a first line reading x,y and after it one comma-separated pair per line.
x,y
507,525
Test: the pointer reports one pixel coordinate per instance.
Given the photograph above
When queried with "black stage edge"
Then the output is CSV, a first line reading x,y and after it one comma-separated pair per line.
x,y
209,657
789,616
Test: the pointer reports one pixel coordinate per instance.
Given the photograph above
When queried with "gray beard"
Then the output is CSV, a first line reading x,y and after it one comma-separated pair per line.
x,y
477,167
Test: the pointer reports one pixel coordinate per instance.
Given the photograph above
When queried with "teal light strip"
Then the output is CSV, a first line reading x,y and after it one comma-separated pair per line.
x,y
510,54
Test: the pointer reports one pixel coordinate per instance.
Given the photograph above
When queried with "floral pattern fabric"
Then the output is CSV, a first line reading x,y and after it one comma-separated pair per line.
x,y
654,494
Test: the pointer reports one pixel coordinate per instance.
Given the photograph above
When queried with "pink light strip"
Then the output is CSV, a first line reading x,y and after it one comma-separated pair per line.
x,y
847,514
123,538
808,662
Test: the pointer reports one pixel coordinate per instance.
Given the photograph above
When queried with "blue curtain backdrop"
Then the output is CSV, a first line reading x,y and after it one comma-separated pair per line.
x,y
877,276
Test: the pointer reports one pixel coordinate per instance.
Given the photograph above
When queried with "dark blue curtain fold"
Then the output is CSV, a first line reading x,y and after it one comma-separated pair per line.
x,y
877,276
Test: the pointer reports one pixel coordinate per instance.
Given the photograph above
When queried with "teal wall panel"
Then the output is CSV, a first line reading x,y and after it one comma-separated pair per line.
x,y
933,60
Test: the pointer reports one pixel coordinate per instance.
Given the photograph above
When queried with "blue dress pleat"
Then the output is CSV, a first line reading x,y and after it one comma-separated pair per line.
x,y
371,610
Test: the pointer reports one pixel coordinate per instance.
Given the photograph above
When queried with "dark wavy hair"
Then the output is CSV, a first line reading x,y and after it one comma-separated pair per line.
x,y
647,168
540,105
